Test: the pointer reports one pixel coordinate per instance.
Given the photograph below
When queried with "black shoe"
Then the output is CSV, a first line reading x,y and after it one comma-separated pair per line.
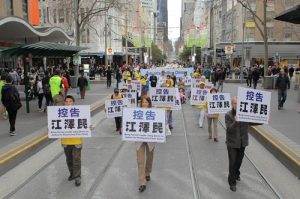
x,y
233,188
78,182
238,178
142,188
170,127
216,140
279,107
70,178
148,178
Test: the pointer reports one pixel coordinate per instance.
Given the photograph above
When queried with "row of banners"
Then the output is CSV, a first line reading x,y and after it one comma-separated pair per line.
x,y
148,124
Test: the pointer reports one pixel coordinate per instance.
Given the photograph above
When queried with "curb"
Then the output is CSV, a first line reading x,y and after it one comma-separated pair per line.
x,y
38,139
283,152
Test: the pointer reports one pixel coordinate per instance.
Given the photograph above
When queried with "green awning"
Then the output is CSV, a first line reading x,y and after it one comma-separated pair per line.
x,y
42,49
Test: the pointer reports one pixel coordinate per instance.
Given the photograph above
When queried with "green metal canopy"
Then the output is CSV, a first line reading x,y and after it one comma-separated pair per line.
x,y
291,15
42,49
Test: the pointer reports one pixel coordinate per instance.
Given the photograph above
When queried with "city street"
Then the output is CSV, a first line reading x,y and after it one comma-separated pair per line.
x,y
187,164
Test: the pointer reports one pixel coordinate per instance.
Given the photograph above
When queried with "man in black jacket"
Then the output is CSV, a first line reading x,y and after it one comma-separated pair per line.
x,y
282,84
153,80
255,76
236,140
82,83
108,77
11,100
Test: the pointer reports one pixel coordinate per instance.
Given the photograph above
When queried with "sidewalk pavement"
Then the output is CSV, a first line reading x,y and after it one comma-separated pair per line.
x,y
286,121
187,163
28,123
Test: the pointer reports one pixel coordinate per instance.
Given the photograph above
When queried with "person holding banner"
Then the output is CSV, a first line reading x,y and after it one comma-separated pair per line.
x,y
236,141
213,118
144,151
72,148
118,120
201,109
169,83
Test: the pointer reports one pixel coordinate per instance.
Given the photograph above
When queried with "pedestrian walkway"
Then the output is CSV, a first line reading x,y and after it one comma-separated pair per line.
x,y
187,166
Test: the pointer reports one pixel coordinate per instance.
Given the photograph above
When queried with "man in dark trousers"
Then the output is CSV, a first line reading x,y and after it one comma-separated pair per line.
x,y
236,141
255,76
108,77
153,80
82,84
11,100
282,84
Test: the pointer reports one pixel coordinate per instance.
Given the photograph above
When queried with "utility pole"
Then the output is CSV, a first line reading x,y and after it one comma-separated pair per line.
x,y
76,26
243,46
232,13
126,33
105,38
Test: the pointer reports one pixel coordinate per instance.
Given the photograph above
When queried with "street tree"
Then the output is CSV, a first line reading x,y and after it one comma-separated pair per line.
x,y
261,24
83,17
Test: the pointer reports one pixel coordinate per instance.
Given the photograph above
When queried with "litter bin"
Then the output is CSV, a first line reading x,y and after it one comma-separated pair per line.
x,y
269,82
73,81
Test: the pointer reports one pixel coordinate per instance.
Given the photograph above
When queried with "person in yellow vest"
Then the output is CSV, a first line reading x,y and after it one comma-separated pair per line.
x,y
171,81
126,74
72,148
56,88
138,75
144,82
201,108
197,73
118,120
2,107
212,118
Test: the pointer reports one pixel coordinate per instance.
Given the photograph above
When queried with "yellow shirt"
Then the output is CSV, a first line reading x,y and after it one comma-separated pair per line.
x,y
144,82
138,76
71,141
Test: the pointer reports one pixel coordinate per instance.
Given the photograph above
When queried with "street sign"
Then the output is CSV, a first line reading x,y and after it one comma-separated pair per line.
x,y
228,50
109,51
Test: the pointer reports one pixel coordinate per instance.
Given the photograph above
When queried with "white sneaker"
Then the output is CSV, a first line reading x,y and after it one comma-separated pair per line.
x,y
168,131
12,133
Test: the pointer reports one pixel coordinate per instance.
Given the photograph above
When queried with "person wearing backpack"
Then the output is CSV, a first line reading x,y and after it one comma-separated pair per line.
x,y
11,100
46,90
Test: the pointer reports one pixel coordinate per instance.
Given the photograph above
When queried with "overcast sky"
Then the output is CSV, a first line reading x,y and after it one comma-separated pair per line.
x,y
174,13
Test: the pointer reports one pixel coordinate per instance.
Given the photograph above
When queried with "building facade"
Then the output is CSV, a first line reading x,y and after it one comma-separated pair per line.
x,y
229,23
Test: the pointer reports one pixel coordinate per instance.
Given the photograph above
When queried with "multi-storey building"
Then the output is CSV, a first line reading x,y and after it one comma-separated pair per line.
x,y
112,27
235,25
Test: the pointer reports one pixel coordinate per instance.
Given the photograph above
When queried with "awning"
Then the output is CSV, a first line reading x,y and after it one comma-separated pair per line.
x,y
291,15
17,30
42,49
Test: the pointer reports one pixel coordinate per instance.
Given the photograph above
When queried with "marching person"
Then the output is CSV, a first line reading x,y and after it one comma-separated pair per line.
x,y
153,80
144,153
72,148
201,109
118,120
282,84
236,141
213,118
